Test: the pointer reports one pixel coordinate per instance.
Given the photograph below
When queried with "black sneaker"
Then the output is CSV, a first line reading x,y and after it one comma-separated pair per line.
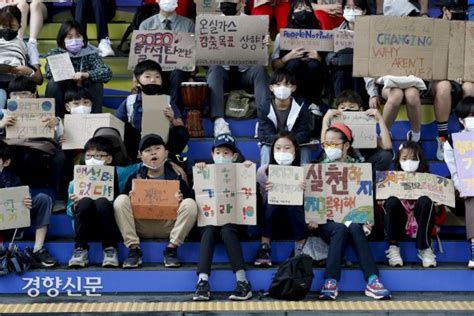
x,y
171,258
242,292
43,257
202,291
134,259
264,256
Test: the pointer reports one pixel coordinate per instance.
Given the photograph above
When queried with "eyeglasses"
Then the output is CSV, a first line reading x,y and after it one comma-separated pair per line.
x,y
96,156
328,145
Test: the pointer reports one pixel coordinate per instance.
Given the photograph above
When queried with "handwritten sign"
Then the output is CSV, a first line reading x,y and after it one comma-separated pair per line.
x,y
464,156
226,193
172,50
79,128
13,212
412,186
343,39
94,182
363,127
461,46
154,199
61,67
318,40
401,46
340,192
153,119
286,182
29,118
231,40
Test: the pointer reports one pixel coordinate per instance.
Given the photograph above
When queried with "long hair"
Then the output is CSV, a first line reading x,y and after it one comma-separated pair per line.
x,y
295,4
292,137
416,148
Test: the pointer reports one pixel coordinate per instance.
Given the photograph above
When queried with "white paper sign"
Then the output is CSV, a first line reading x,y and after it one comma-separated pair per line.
x,y
286,182
61,67
13,212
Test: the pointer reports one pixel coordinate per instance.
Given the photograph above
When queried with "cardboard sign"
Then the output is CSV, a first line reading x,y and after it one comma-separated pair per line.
x,y
94,182
29,118
363,127
172,50
154,199
343,39
401,46
464,156
231,40
79,128
61,67
340,192
286,182
226,193
207,7
153,119
461,46
13,212
413,185
318,40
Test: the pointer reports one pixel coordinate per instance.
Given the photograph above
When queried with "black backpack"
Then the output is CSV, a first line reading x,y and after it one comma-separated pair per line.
x,y
293,279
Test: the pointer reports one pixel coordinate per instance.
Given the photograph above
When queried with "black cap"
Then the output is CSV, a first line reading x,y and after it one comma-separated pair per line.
x,y
150,140
225,140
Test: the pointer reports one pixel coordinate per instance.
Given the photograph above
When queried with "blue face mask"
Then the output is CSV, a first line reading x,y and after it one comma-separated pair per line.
x,y
221,159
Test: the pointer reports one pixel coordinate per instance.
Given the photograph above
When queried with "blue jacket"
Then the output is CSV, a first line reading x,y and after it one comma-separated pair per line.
x,y
8,179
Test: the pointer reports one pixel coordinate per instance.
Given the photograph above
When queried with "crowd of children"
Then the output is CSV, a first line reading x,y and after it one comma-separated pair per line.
x,y
289,102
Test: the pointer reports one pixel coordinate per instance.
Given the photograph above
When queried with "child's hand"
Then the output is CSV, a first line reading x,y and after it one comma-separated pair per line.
x,y
302,186
51,122
8,120
374,102
248,163
78,76
169,113
62,140
266,40
293,54
312,54
200,165
75,199
179,196
268,186
375,113
330,114
312,225
27,202
22,71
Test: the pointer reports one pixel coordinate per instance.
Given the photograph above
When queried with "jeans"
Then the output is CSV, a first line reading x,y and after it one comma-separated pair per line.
x,y
41,209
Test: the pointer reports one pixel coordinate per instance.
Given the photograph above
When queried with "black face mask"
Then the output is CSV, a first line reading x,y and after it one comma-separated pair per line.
x,y
228,8
8,34
151,89
303,20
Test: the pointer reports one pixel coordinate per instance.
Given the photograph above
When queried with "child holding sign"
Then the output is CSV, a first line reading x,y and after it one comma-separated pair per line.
x,y
337,146
223,151
94,219
415,218
285,151
465,113
40,206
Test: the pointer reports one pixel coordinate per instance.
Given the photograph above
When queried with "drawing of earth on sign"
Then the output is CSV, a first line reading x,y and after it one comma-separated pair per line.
x,y
363,214
46,105
12,106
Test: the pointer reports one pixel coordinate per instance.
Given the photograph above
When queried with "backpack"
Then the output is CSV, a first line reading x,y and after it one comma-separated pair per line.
x,y
293,279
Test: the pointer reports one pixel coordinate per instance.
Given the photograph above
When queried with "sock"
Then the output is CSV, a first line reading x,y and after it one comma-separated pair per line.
x,y
415,137
203,277
240,276
37,248
32,40
472,249
442,129
372,278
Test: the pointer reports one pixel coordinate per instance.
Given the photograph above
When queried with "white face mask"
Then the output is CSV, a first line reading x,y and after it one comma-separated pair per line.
x,y
168,5
221,159
81,109
409,165
350,14
282,92
333,153
155,168
284,159
94,162
469,123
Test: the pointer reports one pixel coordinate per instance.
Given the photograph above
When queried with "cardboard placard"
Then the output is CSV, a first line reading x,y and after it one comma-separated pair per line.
x,y
13,212
401,46
363,127
464,157
153,119
94,182
29,115
226,193
79,128
286,182
61,67
413,185
340,192
172,50
318,40
231,40
154,199
343,39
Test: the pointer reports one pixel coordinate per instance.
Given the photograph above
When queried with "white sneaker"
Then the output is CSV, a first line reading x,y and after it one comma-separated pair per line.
x,y
440,149
470,265
428,258
393,255
221,127
105,48
110,257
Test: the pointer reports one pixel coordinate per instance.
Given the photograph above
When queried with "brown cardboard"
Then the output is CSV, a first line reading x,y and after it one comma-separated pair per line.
x,y
94,182
153,119
456,50
29,115
361,47
363,127
13,212
343,39
154,199
468,53
318,40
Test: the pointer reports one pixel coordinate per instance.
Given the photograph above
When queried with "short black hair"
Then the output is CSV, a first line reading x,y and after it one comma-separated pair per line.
x,y
8,13
360,3
21,83
283,74
292,137
74,93
349,96
465,108
65,28
146,65
100,143
5,152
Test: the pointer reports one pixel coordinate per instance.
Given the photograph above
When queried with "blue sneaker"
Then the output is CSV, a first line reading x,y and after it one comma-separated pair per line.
x,y
376,290
329,290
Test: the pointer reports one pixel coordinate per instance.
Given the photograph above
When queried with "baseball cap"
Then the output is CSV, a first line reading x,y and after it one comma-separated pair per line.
x,y
225,140
150,140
